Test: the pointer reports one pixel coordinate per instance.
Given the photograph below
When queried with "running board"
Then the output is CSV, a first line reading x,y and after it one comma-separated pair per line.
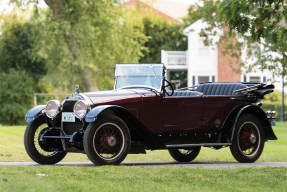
x,y
196,145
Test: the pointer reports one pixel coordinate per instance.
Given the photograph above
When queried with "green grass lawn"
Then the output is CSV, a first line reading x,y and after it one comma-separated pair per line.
x,y
12,149
141,178
138,178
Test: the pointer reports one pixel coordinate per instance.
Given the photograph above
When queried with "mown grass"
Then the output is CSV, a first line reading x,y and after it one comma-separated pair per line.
x,y
141,178
134,178
12,149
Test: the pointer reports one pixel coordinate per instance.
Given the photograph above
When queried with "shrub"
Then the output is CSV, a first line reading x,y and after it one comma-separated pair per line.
x,y
16,96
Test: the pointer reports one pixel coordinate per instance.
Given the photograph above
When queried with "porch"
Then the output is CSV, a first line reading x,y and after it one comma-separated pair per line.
x,y
174,59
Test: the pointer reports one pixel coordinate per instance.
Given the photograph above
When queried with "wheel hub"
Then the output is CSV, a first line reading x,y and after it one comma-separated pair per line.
x,y
112,141
252,138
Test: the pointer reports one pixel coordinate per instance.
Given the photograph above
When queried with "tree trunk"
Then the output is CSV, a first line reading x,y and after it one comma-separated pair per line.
x,y
86,75
59,13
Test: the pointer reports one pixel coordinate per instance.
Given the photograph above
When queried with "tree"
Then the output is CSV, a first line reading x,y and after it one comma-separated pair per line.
x,y
21,67
264,22
18,48
259,18
16,96
261,23
162,35
207,10
258,22
84,39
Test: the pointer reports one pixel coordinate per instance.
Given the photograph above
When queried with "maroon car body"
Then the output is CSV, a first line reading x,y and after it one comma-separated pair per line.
x,y
135,117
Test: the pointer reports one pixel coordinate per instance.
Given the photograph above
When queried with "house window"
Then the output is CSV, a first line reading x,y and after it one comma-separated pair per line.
x,y
203,79
254,79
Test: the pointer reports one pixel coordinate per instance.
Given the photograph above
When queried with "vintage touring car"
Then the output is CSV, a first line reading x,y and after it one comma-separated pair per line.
x,y
144,112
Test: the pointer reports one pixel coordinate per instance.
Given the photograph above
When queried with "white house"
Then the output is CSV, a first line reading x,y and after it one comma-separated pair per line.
x,y
207,63
200,63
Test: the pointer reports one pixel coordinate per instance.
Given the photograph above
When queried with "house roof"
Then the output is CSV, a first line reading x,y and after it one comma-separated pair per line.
x,y
170,10
199,24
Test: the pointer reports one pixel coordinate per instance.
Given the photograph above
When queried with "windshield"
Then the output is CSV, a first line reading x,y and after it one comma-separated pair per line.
x,y
139,75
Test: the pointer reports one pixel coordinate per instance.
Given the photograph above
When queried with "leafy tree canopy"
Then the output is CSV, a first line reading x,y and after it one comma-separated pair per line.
x,y
162,35
82,40
18,47
258,18
261,23
16,96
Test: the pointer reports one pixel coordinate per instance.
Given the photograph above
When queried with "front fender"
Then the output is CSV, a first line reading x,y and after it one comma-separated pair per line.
x,y
34,112
137,130
260,114
96,111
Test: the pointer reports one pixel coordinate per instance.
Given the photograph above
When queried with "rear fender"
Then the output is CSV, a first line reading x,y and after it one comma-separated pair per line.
x,y
260,114
34,112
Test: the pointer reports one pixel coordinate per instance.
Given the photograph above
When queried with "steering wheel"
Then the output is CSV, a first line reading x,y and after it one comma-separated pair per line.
x,y
168,85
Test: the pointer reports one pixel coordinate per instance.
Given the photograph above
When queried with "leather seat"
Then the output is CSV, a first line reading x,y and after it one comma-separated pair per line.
x,y
219,88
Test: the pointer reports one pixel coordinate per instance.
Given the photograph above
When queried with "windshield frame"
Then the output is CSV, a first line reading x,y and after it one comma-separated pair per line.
x,y
160,76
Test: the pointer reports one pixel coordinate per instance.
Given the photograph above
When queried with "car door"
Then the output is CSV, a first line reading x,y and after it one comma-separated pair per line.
x,y
151,111
182,113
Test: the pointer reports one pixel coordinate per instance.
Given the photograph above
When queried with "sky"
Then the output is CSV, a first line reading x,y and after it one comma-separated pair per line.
x,y
185,1
4,4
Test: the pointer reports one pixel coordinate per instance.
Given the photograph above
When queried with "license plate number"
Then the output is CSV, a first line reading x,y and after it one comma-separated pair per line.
x,y
68,117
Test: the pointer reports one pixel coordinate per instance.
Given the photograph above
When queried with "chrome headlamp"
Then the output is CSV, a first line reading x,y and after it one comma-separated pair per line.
x,y
52,108
81,108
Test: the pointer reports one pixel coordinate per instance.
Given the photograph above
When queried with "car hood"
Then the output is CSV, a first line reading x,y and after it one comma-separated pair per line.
x,y
117,96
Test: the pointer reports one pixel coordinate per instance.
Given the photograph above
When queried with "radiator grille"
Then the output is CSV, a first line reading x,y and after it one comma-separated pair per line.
x,y
70,127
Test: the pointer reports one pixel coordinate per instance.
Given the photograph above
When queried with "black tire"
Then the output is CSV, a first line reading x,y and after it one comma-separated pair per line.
x,y
248,140
107,141
184,155
36,150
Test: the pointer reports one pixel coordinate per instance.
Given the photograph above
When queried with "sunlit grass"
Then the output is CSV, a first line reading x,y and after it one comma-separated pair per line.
x,y
140,178
12,149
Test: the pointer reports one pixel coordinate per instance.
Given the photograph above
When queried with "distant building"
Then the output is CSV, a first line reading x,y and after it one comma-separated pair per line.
x,y
200,63
168,10
206,63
